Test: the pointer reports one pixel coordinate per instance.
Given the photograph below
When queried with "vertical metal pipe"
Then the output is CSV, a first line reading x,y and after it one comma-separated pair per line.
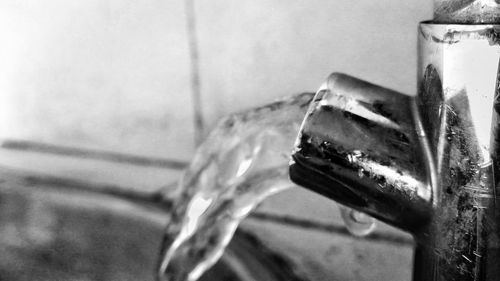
x,y
461,241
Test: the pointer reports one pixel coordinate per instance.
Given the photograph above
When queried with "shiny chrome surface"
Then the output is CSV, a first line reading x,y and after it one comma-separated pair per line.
x,y
361,138
426,164
461,240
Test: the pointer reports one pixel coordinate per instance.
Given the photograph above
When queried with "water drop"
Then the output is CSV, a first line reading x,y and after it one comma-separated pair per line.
x,y
361,173
357,153
356,222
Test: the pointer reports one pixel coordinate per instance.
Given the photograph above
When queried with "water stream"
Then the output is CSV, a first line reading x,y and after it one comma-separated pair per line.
x,y
242,162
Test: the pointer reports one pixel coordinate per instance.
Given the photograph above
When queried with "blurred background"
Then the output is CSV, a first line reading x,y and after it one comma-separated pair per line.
x,y
120,92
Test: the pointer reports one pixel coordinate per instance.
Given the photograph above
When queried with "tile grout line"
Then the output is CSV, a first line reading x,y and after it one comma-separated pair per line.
x,y
195,71
95,154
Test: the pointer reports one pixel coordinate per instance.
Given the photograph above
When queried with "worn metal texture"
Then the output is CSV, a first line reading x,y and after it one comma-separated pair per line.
x,y
361,139
467,11
426,164
461,240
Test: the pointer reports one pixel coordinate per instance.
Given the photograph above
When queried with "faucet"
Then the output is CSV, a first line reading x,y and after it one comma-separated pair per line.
x,y
429,163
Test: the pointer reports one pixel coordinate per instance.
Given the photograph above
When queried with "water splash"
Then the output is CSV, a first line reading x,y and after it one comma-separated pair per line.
x,y
243,161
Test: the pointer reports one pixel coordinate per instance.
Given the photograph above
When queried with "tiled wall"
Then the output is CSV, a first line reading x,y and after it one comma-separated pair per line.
x,y
116,74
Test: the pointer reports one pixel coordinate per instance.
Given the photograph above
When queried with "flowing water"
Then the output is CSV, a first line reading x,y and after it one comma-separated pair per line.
x,y
242,162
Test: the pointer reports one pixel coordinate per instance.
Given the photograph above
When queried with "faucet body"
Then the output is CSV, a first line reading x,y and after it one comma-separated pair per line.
x,y
427,164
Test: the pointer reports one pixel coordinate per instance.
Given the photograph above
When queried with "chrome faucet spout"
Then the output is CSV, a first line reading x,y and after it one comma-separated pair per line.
x,y
358,145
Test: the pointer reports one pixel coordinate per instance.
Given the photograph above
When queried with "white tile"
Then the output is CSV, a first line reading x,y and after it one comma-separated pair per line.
x,y
254,51
104,74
